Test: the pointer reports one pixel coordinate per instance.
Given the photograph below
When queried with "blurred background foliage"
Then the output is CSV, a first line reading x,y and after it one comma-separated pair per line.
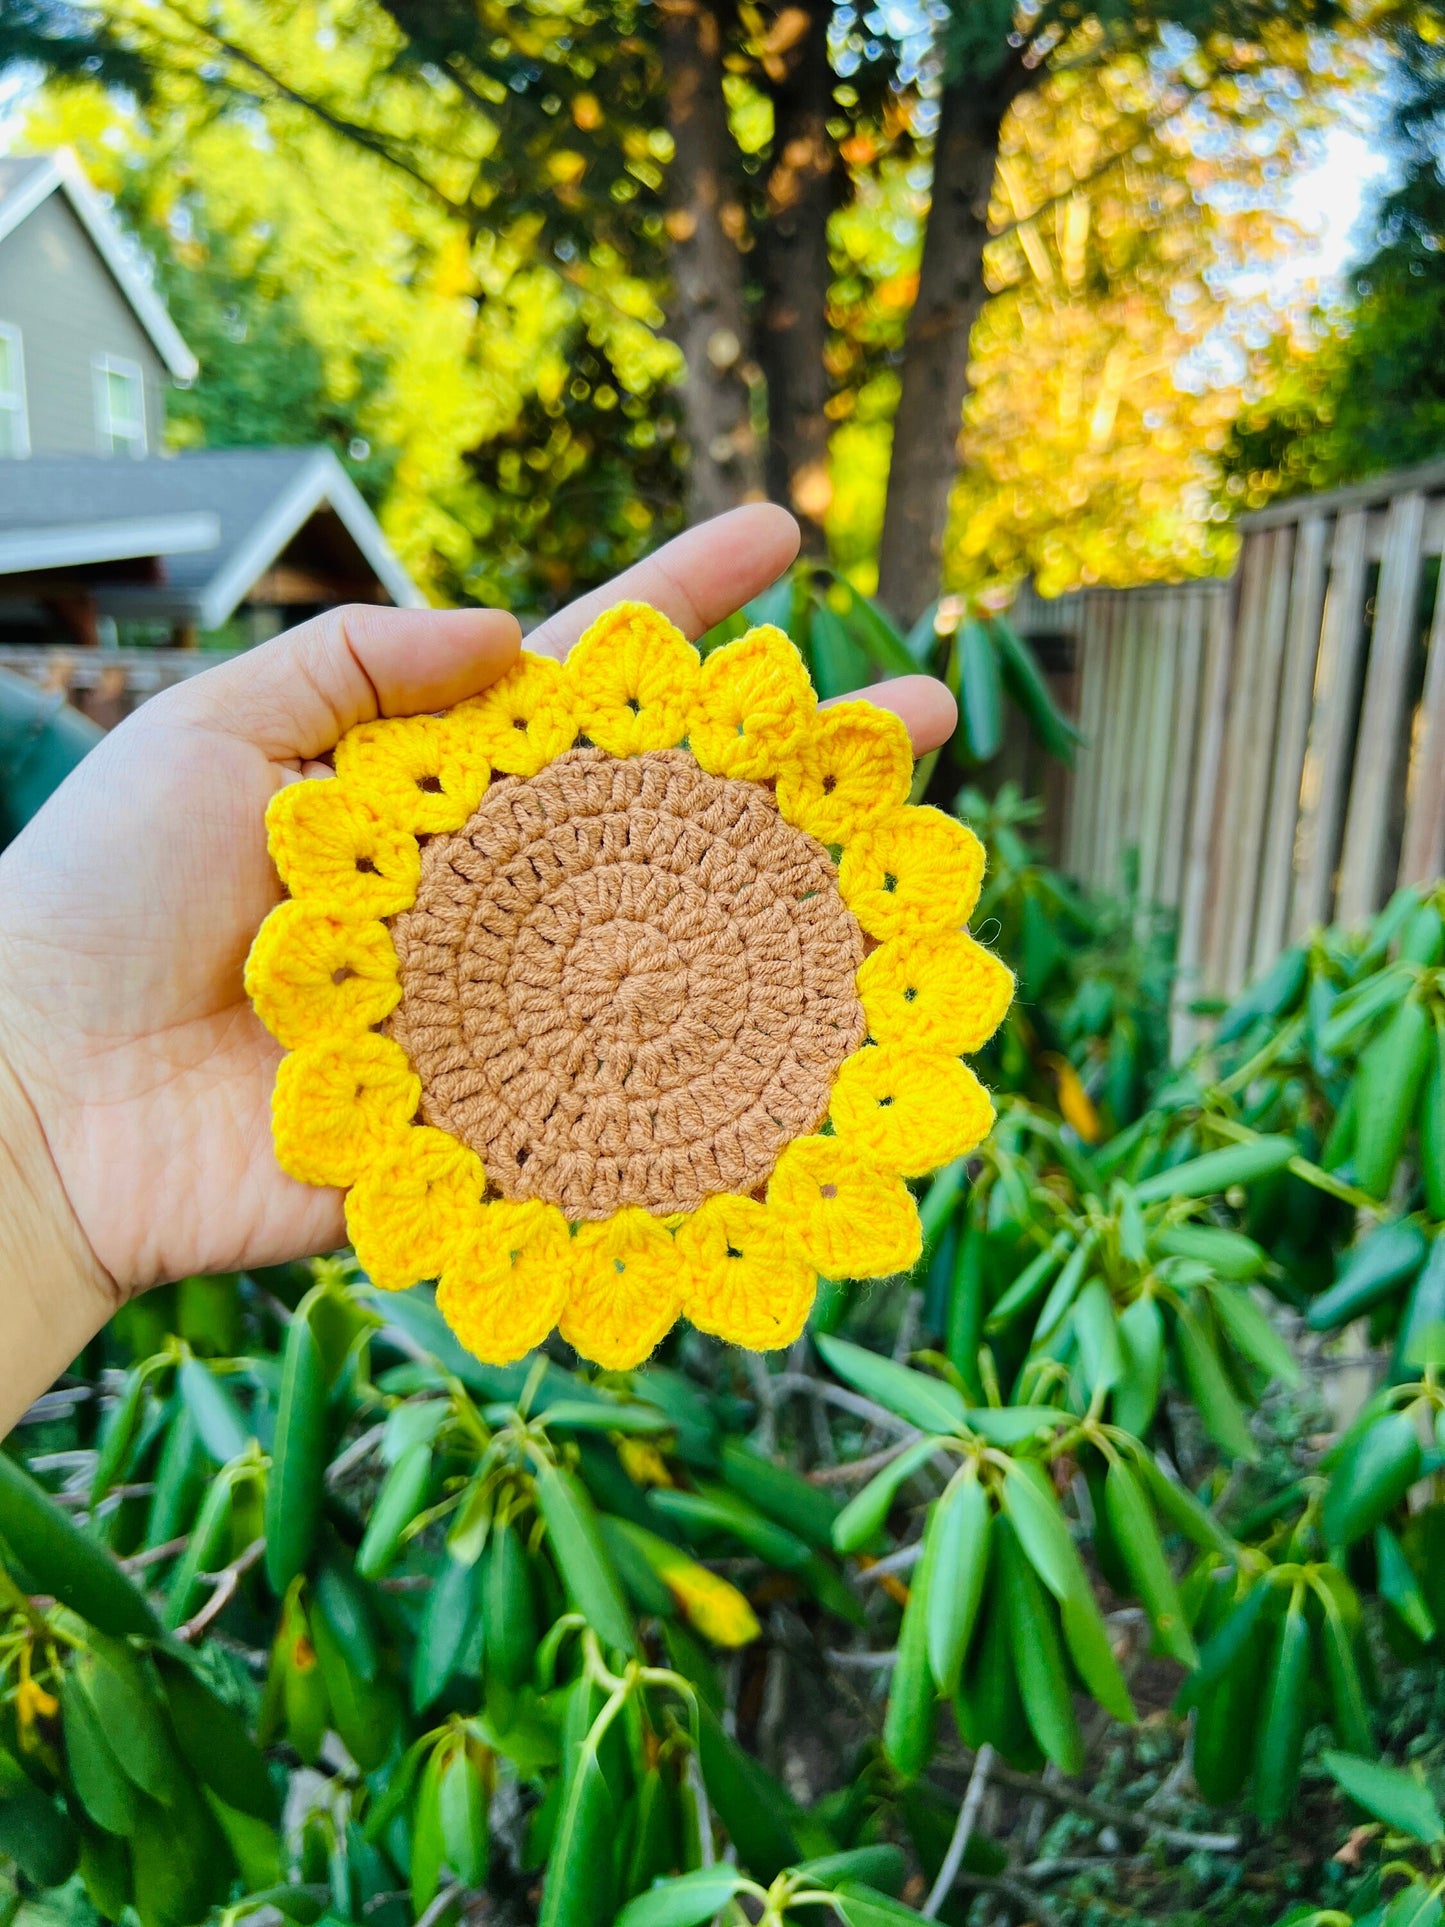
x,y
554,278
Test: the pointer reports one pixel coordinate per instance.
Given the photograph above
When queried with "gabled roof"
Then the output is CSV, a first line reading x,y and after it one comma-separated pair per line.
x,y
260,499
26,181
36,546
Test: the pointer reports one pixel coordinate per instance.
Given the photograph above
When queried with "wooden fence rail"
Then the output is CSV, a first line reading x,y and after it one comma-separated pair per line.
x,y
1268,750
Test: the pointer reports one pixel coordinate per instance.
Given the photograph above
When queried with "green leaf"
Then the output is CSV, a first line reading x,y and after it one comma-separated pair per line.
x,y
781,1492
864,1906
1250,1332
401,1497
879,1866
462,1810
1216,1171
929,1403
1210,1389
128,1713
1010,1425
979,690
1132,1523
908,1723
1399,1587
684,1901
106,1793
880,639
1043,1533
213,1739
298,1457
1025,680
582,1562
1400,1799
1371,1479
1039,1658
960,1531
1101,1359
215,1414
60,1560
863,1517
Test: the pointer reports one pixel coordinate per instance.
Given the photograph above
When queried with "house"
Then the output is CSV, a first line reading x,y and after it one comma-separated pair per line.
x,y
105,538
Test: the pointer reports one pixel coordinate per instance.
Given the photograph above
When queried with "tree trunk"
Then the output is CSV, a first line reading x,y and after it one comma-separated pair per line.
x,y
793,265
951,293
705,223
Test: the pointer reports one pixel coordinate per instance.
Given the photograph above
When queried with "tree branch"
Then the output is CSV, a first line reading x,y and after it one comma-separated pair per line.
x,y
962,1832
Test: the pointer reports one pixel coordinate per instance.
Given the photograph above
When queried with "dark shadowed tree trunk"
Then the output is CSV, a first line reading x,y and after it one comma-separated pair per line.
x,y
792,263
705,223
951,293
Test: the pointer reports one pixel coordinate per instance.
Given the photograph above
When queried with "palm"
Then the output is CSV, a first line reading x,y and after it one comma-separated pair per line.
x,y
128,906
124,922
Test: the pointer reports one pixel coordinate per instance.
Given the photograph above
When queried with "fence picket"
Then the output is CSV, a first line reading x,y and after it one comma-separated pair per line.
x,y
1364,883
1223,906
1218,661
1307,596
1194,609
1422,855
1327,758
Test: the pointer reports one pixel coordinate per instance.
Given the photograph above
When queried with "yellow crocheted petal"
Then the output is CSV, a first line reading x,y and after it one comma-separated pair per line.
x,y
335,848
525,719
413,1207
846,1217
754,700
909,1111
634,681
314,977
742,1280
504,1288
912,871
940,992
422,772
337,1107
626,1289
854,764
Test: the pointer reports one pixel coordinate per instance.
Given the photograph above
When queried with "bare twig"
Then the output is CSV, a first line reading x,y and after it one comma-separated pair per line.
x,y
962,1832
765,1432
1108,1815
225,1583
903,1560
153,1555
848,1401
441,1906
697,1786
357,1453
859,1468
1026,1900
54,1404
1054,1868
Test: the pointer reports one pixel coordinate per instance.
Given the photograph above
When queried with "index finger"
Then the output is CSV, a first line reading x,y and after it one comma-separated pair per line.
x,y
694,580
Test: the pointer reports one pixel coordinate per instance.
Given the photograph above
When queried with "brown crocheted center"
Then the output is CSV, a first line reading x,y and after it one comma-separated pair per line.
x,y
627,982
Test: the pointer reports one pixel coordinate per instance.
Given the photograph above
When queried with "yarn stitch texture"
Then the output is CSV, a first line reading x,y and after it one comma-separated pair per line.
x,y
632,989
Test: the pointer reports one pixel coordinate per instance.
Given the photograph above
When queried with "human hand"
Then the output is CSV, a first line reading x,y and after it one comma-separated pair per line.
x,y
128,905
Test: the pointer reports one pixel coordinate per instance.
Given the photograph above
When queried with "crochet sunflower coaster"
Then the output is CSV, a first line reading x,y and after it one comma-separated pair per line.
x,y
631,989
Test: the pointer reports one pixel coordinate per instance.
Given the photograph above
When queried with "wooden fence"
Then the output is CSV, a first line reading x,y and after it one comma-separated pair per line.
x,y
1270,749
106,684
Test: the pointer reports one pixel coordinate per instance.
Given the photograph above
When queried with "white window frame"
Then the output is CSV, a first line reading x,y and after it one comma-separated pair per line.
x,y
13,401
107,440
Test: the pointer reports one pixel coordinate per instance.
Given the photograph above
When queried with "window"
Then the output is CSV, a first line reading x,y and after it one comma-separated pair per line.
x,y
120,406
14,422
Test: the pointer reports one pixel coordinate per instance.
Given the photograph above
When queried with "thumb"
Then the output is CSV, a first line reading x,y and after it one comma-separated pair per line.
x,y
296,695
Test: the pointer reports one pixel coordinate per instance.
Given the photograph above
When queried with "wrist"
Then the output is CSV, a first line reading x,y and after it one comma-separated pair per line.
x,y
54,1293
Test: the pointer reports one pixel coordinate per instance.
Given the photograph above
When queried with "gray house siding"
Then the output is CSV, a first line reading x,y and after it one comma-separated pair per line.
x,y
58,292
